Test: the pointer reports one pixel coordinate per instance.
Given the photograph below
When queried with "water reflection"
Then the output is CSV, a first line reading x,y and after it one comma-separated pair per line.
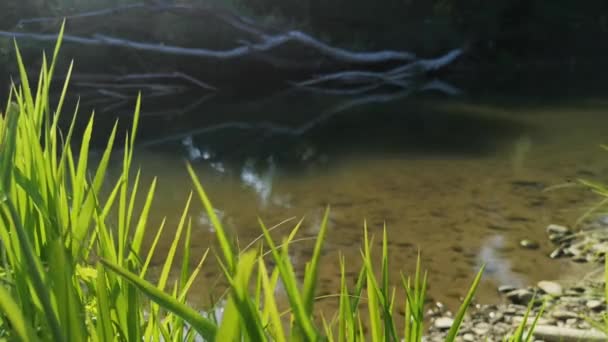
x,y
498,266
258,180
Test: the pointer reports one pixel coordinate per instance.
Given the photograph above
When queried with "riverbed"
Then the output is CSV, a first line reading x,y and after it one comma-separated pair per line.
x,y
460,180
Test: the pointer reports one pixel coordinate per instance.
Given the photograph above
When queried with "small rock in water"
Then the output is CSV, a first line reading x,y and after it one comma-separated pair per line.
x,y
557,229
520,296
443,323
506,288
550,287
529,244
555,237
556,253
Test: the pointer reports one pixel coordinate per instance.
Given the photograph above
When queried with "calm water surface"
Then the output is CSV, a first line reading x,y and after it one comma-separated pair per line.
x,y
461,181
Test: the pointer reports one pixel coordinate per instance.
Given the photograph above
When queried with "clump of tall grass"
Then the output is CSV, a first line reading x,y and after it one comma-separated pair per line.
x,y
70,272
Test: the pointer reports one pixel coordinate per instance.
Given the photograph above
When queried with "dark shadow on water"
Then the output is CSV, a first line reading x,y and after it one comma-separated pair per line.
x,y
408,128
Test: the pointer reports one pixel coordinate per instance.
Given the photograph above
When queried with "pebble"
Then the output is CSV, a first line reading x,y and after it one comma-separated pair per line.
x,y
443,323
529,244
521,296
481,328
550,287
595,304
541,321
556,253
555,237
565,307
506,288
563,315
468,337
557,229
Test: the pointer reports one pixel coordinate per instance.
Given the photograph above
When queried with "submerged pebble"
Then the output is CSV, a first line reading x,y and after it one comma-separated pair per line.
x,y
529,244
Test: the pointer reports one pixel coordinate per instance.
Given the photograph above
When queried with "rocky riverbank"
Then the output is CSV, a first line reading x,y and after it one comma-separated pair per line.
x,y
567,310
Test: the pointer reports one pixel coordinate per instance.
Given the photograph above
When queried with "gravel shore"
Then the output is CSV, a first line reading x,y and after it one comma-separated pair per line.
x,y
567,310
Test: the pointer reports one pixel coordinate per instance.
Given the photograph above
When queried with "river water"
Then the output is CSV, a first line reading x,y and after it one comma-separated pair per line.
x,y
462,181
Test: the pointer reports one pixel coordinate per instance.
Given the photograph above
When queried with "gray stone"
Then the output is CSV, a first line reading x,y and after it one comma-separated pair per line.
x,y
443,323
556,253
521,296
468,337
555,237
557,229
506,288
571,322
481,328
519,319
563,315
595,304
550,287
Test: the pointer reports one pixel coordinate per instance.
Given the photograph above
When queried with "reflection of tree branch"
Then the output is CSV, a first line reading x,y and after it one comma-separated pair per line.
x,y
279,129
371,80
177,74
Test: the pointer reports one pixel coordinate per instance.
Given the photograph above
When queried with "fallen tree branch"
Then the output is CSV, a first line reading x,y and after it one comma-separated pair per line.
x,y
176,74
240,51
280,129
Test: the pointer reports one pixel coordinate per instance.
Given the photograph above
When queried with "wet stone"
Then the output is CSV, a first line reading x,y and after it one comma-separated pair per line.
x,y
529,244
556,253
520,296
506,288
557,229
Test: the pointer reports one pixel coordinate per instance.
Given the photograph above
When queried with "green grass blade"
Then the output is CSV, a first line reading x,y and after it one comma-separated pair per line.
x,y
164,275
226,248
13,313
152,248
453,332
270,305
535,322
311,276
373,300
188,284
25,84
104,323
140,228
230,327
249,315
288,277
203,326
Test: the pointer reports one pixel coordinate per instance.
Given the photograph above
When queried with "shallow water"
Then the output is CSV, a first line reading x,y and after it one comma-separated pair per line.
x,y
460,180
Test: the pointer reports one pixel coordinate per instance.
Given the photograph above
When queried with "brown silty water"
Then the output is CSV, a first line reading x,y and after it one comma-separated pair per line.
x,y
464,199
